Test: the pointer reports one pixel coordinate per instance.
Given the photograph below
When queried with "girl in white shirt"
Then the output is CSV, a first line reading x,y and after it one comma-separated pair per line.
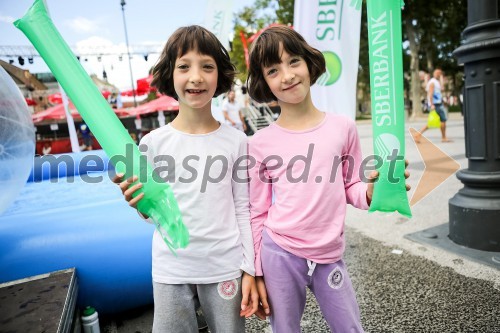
x,y
200,158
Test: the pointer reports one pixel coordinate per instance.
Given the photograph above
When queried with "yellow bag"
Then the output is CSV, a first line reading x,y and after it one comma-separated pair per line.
x,y
433,121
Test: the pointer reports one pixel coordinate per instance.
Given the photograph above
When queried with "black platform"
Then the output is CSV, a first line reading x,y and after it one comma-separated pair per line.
x,y
42,303
438,237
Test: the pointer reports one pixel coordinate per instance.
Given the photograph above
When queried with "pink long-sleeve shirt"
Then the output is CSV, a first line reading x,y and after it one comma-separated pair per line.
x,y
313,175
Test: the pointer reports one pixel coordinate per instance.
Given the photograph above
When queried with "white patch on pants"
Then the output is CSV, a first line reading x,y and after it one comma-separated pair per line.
x,y
336,279
228,289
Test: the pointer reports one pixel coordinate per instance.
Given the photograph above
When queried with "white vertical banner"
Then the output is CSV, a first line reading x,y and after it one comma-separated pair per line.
x,y
73,137
333,27
218,19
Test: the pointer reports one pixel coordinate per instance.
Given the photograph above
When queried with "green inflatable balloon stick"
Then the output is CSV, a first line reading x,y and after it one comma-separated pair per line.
x,y
159,202
386,85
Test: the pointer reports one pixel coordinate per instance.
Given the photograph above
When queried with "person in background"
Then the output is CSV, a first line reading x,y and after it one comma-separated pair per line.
x,y
245,97
119,102
232,112
47,148
134,137
112,100
138,126
86,137
436,102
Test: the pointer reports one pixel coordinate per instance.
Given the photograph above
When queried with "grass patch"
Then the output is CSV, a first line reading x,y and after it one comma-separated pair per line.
x,y
454,108
364,117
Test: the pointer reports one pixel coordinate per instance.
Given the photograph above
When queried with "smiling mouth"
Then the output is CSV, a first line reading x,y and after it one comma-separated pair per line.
x,y
291,87
195,91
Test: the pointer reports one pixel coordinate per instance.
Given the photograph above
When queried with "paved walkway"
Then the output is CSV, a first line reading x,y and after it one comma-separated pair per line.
x,y
423,289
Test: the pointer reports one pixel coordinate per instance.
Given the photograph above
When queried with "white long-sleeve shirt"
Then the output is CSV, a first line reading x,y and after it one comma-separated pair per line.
x,y
214,207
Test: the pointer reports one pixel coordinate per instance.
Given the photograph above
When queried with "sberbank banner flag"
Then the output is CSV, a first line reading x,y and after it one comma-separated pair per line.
x,y
218,19
386,87
333,27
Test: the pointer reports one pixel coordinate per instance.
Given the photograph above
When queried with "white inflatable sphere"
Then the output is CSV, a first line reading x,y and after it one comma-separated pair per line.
x,y
17,141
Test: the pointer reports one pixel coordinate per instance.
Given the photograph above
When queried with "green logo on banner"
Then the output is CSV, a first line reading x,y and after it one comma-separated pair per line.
x,y
385,144
333,69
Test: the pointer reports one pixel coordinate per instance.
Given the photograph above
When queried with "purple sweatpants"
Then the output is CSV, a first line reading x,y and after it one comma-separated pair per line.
x,y
287,276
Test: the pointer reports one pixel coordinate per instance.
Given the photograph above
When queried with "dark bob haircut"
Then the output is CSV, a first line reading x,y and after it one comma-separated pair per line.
x,y
183,40
265,52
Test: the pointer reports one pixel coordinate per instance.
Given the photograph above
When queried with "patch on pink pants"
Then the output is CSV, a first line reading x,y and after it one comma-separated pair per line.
x,y
228,289
336,278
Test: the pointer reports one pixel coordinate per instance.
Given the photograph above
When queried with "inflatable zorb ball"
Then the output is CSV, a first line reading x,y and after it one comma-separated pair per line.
x,y
17,141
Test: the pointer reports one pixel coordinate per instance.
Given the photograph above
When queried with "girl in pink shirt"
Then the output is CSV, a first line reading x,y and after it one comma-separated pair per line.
x,y
309,162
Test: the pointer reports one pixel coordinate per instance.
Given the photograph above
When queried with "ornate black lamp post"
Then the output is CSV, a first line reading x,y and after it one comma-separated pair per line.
x,y
128,51
475,209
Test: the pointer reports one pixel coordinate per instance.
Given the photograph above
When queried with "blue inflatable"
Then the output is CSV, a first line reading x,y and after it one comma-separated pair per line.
x,y
17,140
86,225
68,165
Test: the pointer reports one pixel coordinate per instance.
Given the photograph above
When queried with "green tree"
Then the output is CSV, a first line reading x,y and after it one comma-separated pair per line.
x,y
431,31
446,37
251,19
283,8
364,62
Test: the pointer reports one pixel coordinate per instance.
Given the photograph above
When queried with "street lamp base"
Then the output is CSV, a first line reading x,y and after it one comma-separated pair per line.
x,y
475,216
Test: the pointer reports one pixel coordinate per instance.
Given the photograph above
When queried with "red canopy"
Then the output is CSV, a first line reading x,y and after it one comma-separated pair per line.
x,y
30,101
163,103
106,93
143,85
57,113
56,98
129,93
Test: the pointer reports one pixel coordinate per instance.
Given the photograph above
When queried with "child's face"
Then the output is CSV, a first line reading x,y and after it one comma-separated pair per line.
x,y
289,80
195,79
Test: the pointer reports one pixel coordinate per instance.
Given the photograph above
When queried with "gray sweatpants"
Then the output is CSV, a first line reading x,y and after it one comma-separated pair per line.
x,y
175,309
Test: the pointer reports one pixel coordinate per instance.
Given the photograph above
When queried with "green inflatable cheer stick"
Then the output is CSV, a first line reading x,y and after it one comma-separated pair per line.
x,y
386,85
159,202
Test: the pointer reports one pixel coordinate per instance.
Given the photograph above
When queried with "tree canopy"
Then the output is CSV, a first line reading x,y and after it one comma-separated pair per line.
x,y
431,32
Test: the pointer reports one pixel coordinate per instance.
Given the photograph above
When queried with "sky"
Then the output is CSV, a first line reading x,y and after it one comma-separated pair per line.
x,y
100,22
